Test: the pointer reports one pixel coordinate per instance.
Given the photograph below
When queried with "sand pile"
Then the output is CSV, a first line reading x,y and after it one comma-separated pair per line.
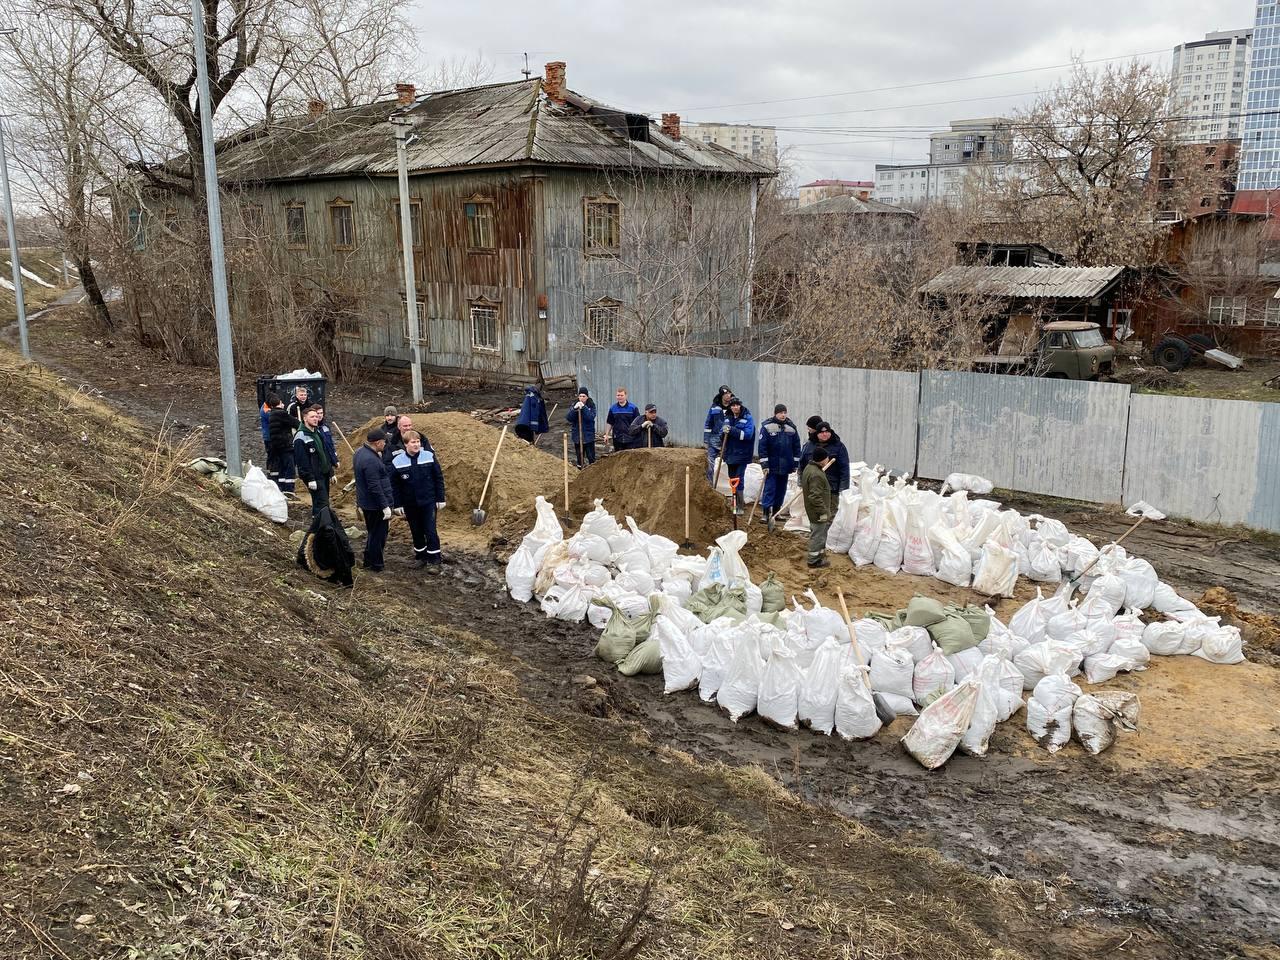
x,y
649,485
464,447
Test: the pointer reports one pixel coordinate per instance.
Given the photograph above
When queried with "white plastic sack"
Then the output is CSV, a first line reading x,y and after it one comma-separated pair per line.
x,y
589,546
986,709
1052,532
855,712
1101,667
798,521
567,602
740,691
678,590
689,569
965,663
968,481
1221,645
1043,562
933,676
636,581
779,697
546,529
715,640
997,571
581,571
1166,600
871,636
1132,650
936,734
1097,717
752,482
1165,638
599,523
1140,580
892,670
263,495
915,640
822,622
955,566
1000,641
1077,553
820,688
521,574
845,524
1049,711
681,666
917,552
1043,659
1065,624
1108,592
735,571
755,599
1096,637
866,539
889,551
1029,622
1010,690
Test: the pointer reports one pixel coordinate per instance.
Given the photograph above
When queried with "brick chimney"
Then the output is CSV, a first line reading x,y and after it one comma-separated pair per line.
x,y
553,80
406,93
671,125
316,108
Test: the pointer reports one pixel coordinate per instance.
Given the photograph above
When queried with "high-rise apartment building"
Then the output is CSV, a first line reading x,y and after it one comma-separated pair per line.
x,y
1210,77
751,141
1260,157
953,155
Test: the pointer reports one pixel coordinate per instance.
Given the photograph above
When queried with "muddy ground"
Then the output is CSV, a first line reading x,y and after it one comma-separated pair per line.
x,y
1178,826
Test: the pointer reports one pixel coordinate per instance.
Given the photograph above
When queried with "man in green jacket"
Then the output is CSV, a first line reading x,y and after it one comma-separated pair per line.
x,y
818,505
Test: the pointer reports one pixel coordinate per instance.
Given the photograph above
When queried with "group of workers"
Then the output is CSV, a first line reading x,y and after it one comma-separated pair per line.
x,y
627,426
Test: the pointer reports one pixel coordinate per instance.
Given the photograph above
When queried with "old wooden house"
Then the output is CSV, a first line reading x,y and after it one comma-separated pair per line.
x,y
542,221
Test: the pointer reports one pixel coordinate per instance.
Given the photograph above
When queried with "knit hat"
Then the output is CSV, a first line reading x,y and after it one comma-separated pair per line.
x,y
823,426
390,411
650,407
582,392
375,435
820,453
780,408
724,388
735,402
812,422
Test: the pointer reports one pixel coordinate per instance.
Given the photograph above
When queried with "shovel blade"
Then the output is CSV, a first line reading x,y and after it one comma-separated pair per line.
x,y
477,517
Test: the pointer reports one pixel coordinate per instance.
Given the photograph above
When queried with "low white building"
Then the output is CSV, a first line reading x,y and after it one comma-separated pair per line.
x,y
954,155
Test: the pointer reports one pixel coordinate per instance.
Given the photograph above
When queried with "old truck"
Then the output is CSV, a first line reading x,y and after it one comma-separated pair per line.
x,y
1062,349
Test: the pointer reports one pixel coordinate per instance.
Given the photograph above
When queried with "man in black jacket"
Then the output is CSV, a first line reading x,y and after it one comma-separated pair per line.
x,y
395,437
417,484
838,473
312,460
280,428
373,496
648,429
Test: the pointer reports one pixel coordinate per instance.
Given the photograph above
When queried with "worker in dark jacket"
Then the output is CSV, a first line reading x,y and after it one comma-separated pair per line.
x,y
395,438
819,504
533,415
648,429
300,400
619,420
417,484
582,427
373,496
280,428
812,426
711,428
389,417
312,460
838,472
330,445
779,451
739,434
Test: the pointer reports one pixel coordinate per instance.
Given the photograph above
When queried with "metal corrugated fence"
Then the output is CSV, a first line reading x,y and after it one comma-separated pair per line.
x,y
1209,460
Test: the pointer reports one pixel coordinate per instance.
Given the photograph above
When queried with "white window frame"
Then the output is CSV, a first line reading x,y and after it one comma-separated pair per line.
x,y
477,307
590,215
422,321
1227,311
1271,315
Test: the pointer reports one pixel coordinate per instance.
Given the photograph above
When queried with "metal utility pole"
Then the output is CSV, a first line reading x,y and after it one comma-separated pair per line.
x,y
221,309
406,243
15,261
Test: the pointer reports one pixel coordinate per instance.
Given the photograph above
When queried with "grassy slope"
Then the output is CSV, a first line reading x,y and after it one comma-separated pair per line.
x,y
44,262
208,752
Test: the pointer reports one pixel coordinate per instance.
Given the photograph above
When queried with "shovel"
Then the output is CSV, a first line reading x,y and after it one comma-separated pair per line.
x,y
478,514
688,544
549,416
759,496
1076,579
885,712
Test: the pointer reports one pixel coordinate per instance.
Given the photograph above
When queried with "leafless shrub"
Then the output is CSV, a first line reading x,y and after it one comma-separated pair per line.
x,y
160,472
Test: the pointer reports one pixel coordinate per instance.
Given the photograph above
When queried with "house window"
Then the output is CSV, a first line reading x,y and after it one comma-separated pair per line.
x,y
415,223
295,225
480,233
254,220
484,325
343,225
602,227
603,320
137,236
684,215
1227,310
422,320
1272,316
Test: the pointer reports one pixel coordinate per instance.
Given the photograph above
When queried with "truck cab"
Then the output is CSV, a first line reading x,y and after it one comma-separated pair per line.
x,y
1074,350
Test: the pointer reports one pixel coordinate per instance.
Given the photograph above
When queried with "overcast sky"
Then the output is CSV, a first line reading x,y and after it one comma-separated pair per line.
x,y
715,60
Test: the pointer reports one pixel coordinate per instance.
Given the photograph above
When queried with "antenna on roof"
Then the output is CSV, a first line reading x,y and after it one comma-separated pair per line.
x,y
526,71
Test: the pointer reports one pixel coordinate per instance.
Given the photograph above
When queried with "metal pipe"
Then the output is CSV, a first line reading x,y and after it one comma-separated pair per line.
x,y
15,261
406,242
217,256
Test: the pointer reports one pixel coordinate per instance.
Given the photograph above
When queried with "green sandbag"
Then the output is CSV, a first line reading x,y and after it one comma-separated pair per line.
x,y
645,658
924,611
621,635
773,619
952,634
886,620
704,598
977,618
773,597
715,601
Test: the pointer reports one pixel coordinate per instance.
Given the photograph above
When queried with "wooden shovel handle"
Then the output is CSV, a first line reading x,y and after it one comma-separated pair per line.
x,y
492,463
853,638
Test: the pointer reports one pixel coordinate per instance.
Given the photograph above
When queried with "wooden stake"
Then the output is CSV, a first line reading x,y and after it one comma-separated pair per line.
x,y
566,474
687,542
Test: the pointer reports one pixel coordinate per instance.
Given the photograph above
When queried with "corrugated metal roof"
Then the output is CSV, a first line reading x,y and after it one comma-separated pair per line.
x,y
495,125
1049,282
850,205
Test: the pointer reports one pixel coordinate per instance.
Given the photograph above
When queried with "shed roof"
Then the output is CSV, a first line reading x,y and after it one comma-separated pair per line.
x,y
1026,282
499,124
847,204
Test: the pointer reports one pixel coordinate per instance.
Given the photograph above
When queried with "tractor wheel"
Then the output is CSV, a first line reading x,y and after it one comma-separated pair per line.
x,y
1172,353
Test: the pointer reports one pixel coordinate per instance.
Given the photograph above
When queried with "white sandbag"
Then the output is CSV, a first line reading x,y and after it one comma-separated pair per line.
x,y
1029,622
1140,580
1049,711
1000,641
990,527
598,616
735,571
822,622
779,696
1098,717
986,709
1052,532
1132,650
915,640
1165,599
855,712
262,494
636,581
968,481
790,502
752,482
966,662
866,539
1129,626
1024,562
1221,645
820,689
546,528
997,571
933,676
1165,638
955,566
871,636
755,599
621,542
936,734
681,666
1043,562
716,641
1109,592
567,602
634,560
917,552
689,569
1043,659
581,571
845,523
1065,624
1101,667
1198,629
1078,553
678,590
740,691
892,670
889,551
598,522
1010,690
1096,637
589,546
798,522
521,574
